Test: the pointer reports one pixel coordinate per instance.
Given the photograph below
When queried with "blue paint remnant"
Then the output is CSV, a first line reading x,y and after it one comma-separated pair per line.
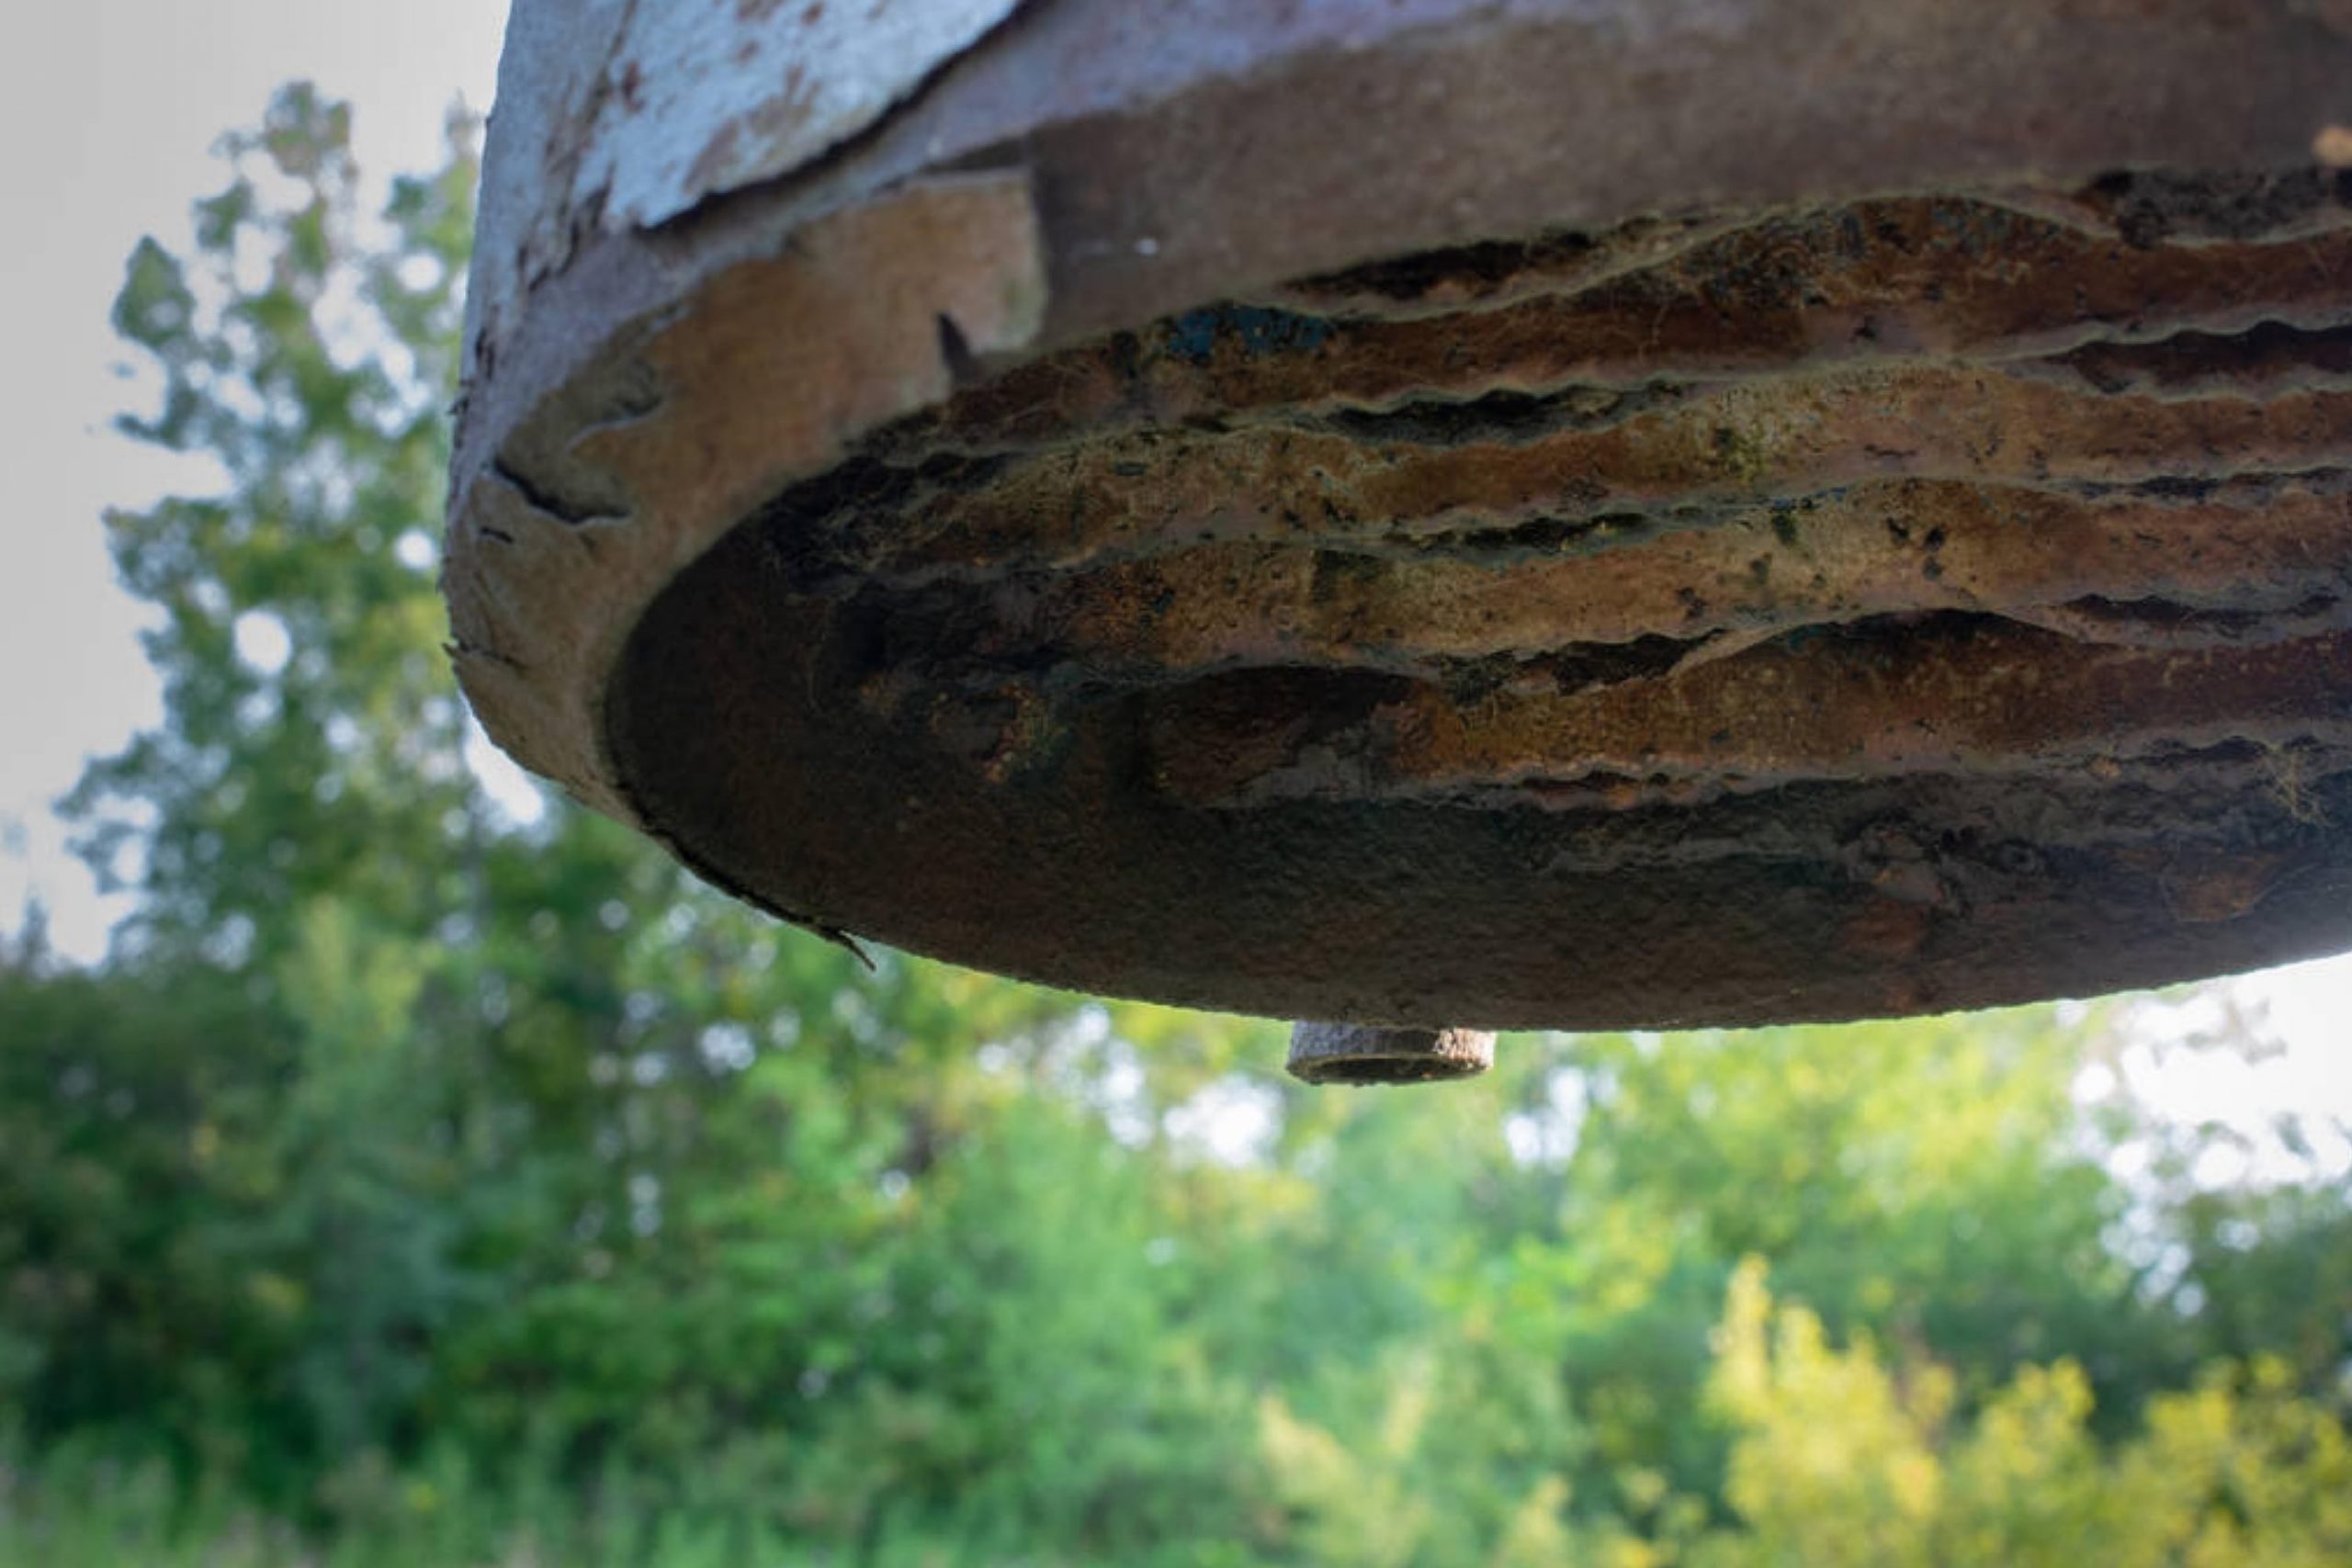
x,y
1259,329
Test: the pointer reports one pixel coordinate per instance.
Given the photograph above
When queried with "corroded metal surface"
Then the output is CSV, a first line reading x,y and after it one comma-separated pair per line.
x,y
1959,559
1884,560
1351,1054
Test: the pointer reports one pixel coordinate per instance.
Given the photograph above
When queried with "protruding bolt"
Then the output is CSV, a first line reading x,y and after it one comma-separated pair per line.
x,y
1360,1054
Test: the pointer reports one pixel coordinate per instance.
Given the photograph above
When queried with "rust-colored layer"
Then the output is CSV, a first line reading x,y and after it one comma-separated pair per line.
x,y
1923,601
1923,279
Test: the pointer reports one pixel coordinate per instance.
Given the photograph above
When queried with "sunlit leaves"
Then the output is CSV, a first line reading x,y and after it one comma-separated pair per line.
x,y
1842,1458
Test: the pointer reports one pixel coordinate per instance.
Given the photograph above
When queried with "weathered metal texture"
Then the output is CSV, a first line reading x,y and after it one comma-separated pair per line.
x,y
617,115
1352,1053
1593,514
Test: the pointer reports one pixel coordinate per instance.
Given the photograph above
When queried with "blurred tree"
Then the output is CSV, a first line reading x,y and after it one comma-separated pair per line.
x,y
477,1062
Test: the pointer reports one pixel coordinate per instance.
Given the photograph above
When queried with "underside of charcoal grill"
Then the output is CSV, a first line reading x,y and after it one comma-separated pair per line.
x,y
1573,514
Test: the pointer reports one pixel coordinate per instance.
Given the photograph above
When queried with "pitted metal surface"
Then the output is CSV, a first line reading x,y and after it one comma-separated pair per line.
x,y
1920,547
1800,595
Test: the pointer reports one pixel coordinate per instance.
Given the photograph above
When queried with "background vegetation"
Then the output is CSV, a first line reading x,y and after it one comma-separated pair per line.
x,y
420,1184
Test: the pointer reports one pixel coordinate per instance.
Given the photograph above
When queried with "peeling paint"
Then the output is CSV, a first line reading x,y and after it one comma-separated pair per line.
x,y
613,115
722,93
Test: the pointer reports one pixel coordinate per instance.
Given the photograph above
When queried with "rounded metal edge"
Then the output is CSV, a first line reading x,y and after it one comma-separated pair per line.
x,y
1097,226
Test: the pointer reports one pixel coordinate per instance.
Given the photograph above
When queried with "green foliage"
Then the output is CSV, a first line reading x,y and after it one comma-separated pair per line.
x,y
1841,1460
418,1185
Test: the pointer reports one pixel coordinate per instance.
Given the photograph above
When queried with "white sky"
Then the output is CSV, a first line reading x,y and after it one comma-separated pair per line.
x,y
107,111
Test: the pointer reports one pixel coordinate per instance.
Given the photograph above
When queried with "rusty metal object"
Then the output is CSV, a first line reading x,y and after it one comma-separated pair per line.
x,y
1587,513
1354,1053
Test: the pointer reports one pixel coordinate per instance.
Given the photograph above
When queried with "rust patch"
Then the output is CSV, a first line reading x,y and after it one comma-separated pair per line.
x,y
2202,887
1887,930
1916,603
1927,280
